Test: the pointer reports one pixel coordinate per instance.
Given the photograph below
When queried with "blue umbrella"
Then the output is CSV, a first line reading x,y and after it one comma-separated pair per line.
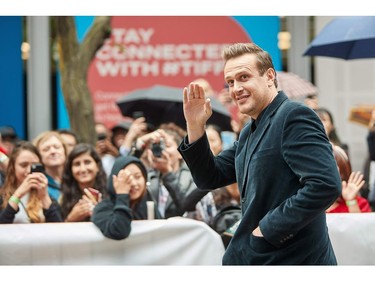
x,y
346,38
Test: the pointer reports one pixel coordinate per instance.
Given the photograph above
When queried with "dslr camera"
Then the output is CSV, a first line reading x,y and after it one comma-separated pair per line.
x,y
157,148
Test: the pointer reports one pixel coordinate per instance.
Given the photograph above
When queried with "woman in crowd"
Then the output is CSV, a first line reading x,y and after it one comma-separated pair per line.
x,y
329,126
84,183
53,150
350,200
24,197
129,199
228,195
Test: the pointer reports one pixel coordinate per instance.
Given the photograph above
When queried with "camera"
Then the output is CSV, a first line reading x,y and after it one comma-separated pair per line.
x,y
37,168
157,148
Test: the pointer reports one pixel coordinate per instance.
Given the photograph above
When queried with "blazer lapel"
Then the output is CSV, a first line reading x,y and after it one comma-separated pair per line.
x,y
255,137
251,145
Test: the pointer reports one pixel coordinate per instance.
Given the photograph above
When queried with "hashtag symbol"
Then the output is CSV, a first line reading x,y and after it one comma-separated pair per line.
x,y
171,68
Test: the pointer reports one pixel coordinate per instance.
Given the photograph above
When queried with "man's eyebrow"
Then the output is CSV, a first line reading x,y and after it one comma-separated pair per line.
x,y
241,72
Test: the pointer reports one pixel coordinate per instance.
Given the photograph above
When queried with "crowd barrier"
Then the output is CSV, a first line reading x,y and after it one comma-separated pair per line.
x,y
175,241
353,237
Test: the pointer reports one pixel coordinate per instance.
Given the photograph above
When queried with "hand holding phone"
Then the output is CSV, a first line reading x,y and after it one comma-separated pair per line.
x,y
92,194
37,168
102,136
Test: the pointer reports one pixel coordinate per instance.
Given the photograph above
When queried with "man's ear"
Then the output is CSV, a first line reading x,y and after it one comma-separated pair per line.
x,y
271,76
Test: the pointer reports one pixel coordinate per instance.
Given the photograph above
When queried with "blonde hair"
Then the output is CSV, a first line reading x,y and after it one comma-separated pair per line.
x,y
42,137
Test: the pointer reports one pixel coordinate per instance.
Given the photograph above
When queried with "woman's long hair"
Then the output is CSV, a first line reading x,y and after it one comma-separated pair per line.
x,y
332,136
33,207
70,190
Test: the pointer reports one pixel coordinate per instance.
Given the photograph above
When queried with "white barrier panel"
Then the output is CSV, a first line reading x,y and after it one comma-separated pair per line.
x,y
353,238
175,241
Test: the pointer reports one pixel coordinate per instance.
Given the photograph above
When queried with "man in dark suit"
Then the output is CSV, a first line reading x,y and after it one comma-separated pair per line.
x,y
283,164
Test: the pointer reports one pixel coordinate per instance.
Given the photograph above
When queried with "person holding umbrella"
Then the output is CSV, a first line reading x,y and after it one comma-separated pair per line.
x,y
283,164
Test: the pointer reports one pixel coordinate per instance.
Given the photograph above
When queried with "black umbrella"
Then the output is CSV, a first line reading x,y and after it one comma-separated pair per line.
x,y
163,104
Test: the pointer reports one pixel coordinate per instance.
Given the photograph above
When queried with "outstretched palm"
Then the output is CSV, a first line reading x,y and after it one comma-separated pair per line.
x,y
197,109
351,188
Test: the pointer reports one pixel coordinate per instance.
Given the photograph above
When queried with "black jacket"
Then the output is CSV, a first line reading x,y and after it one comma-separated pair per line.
x,y
287,177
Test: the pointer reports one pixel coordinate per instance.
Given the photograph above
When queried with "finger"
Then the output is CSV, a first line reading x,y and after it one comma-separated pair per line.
x,y
196,91
358,177
100,197
361,184
89,195
185,95
208,106
140,120
351,177
191,91
201,92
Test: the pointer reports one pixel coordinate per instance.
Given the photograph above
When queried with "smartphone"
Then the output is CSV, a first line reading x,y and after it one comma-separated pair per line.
x,y
102,136
94,192
37,168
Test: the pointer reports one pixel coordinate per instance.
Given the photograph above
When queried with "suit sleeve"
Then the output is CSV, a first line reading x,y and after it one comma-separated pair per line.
x,y
209,172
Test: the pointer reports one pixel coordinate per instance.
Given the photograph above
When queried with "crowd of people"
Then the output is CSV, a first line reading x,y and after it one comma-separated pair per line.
x,y
135,172
72,171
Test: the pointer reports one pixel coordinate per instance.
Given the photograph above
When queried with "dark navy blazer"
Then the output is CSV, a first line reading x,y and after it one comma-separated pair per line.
x,y
287,177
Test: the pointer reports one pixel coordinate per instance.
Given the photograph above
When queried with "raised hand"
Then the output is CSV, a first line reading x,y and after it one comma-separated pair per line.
x,y
122,182
351,188
197,110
